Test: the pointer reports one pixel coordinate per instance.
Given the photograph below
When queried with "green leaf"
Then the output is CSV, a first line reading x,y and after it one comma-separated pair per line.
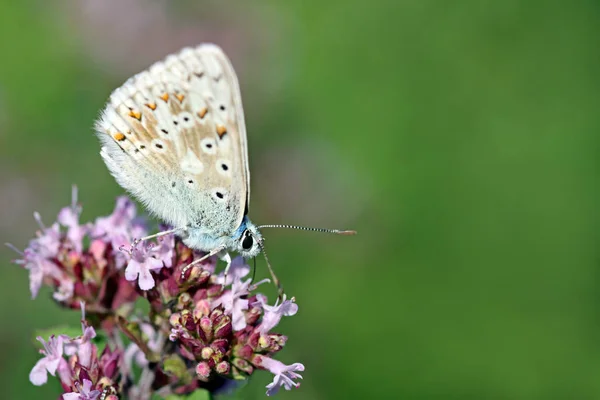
x,y
174,365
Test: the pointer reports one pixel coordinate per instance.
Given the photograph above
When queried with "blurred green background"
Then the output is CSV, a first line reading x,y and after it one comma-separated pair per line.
x,y
459,138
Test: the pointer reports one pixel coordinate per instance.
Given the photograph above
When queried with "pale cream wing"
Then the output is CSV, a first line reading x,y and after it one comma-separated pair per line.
x,y
174,136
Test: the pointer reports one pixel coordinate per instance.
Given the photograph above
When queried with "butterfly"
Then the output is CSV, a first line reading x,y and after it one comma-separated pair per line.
x,y
174,136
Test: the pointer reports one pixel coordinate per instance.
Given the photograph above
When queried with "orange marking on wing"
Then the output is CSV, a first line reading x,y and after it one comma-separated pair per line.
x,y
119,136
135,114
221,130
180,97
202,112
165,97
151,106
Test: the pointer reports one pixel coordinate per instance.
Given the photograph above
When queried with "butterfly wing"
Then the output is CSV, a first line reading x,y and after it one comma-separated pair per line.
x,y
174,136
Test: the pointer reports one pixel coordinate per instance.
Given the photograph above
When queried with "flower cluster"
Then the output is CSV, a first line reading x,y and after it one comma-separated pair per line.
x,y
84,374
203,330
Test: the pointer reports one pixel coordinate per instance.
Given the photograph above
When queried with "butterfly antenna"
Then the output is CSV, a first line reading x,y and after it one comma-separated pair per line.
x,y
253,270
275,279
303,228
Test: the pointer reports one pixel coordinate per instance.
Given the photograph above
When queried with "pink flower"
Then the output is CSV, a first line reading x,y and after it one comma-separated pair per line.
x,y
144,259
235,301
39,267
273,314
119,222
48,239
36,258
82,345
165,249
120,228
237,270
284,374
84,392
53,356
69,217
65,289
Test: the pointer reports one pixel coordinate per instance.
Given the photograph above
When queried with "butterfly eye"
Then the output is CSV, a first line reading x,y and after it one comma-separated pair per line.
x,y
247,242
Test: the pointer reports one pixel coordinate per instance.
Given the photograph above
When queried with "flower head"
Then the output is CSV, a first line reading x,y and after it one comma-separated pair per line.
x,y
203,330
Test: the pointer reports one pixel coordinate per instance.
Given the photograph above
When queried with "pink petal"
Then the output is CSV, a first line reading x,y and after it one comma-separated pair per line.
x,y
146,281
132,270
85,352
36,277
52,365
289,308
152,263
67,217
38,375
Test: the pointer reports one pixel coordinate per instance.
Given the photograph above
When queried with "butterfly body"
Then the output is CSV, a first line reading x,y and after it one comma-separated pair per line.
x,y
245,240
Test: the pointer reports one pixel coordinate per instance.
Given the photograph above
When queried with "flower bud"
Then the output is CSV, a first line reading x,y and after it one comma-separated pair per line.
x,y
197,314
187,320
203,370
278,338
253,338
105,382
222,368
175,319
183,301
252,316
244,351
203,307
169,289
214,290
206,353
203,277
263,342
216,315
220,346
224,327
243,365
207,327
196,273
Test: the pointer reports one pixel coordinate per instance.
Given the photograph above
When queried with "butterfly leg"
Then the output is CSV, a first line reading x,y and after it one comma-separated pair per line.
x,y
204,257
159,234
227,258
